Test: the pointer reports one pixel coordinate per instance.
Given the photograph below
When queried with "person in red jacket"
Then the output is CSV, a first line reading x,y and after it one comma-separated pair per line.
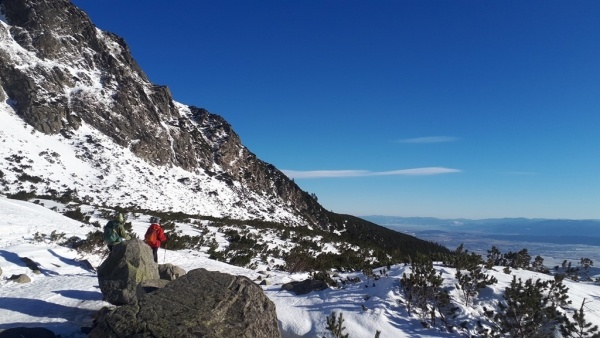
x,y
155,236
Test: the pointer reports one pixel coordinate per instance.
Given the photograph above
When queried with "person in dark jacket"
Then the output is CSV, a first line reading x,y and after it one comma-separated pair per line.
x,y
155,236
114,232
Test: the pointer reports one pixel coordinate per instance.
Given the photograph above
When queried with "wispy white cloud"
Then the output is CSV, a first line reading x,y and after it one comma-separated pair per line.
x,y
418,171
430,139
427,171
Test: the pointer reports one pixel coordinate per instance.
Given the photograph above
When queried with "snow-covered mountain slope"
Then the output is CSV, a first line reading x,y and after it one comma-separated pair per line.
x,y
117,138
105,173
65,295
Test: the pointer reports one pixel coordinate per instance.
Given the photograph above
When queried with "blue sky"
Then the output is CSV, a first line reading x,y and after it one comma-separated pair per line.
x,y
447,109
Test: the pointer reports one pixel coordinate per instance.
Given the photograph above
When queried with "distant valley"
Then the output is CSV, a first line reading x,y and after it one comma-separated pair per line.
x,y
555,240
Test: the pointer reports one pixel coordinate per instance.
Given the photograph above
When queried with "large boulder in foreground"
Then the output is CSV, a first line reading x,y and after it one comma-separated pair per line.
x,y
27,332
129,264
199,304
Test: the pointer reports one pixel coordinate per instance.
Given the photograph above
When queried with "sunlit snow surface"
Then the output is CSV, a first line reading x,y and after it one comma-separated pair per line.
x,y
65,296
117,177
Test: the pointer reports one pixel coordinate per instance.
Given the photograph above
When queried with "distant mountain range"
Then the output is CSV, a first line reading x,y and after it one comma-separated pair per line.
x,y
560,231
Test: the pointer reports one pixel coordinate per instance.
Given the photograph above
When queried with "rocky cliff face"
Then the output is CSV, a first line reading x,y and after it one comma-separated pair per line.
x,y
59,72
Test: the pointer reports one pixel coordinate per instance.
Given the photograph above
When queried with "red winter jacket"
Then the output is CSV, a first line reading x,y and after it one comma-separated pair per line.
x,y
160,235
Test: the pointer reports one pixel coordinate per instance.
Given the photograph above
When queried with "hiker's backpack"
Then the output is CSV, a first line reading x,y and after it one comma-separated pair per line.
x,y
151,236
110,232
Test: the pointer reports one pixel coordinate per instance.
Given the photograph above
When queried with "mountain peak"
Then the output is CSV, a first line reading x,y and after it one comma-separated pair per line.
x,y
65,77
53,30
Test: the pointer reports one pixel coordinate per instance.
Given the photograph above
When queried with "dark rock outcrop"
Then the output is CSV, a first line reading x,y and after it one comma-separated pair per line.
x,y
170,271
150,285
200,304
129,264
27,332
305,286
22,278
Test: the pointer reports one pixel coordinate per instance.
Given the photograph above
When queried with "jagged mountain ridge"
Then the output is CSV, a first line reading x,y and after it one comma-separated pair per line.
x,y
96,129
59,72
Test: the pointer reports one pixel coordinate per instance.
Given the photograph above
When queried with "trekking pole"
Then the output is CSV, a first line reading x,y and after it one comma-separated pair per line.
x,y
165,255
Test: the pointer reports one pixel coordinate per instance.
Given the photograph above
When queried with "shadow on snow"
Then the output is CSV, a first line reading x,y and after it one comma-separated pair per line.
x,y
40,308
79,294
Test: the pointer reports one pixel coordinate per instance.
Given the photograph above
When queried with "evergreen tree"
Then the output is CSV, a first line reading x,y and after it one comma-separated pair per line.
x,y
585,264
335,325
516,260
558,293
423,291
531,309
538,265
469,274
494,257
579,327
471,281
